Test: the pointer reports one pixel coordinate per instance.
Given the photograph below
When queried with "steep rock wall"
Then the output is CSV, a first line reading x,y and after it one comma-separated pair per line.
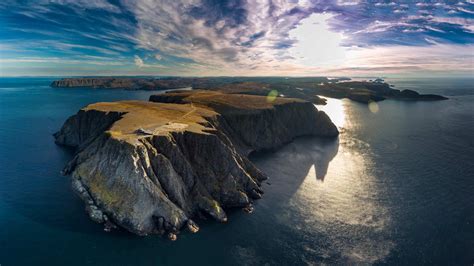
x,y
157,181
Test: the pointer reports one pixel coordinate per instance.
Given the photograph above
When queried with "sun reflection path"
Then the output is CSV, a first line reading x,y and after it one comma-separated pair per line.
x,y
335,109
347,204
327,193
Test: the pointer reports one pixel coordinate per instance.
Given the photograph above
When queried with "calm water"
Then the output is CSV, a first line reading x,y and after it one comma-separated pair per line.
x,y
397,187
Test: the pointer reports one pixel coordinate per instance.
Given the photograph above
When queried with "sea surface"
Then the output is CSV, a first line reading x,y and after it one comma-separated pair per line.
x,y
397,187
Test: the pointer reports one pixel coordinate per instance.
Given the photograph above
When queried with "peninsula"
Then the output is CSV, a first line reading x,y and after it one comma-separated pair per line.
x,y
157,167
307,88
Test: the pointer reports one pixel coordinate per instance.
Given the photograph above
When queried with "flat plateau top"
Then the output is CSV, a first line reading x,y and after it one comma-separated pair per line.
x,y
224,100
142,118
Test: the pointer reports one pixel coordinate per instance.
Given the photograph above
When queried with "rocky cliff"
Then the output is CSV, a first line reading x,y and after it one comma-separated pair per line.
x,y
93,82
153,167
257,123
123,83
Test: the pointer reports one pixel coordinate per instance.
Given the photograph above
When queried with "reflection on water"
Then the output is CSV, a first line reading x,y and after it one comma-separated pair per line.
x,y
324,152
335,108
345,210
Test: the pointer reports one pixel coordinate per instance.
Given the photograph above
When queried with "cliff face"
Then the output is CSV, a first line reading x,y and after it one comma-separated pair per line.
x,y
151,167
122,83
257,123
91,82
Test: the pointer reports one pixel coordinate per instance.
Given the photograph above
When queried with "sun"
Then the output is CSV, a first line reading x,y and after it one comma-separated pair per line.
x,y
316,44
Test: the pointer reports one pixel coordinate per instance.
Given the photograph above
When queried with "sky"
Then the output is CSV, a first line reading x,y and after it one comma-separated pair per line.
x,y
236,38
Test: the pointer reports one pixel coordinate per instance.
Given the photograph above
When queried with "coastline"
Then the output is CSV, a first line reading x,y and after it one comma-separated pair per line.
x,y
302,88
181,156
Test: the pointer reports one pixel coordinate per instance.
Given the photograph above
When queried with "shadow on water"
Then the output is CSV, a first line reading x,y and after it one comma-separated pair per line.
x,y
296,159
327,151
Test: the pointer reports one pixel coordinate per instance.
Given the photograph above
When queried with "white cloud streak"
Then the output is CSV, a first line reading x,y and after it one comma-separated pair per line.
x,y
272,40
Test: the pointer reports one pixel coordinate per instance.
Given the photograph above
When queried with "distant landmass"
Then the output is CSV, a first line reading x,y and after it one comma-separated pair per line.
x,y
154,167
307,88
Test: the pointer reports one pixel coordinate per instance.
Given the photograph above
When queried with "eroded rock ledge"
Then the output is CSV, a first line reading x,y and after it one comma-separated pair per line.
x,y
151,167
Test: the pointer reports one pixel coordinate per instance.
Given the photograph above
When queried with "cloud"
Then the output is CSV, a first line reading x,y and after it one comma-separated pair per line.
x,y
315,44
233,36
347,2
138,61
390,59
237,32
94,4
55,60
141,64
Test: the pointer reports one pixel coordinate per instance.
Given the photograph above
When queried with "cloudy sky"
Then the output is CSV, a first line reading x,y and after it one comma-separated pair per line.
x,y
236,37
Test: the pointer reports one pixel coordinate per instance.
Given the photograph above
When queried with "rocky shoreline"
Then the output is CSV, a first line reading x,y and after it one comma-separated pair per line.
x,y
156,167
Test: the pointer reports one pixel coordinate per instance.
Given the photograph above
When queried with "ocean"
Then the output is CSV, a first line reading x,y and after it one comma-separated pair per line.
x,y
396,187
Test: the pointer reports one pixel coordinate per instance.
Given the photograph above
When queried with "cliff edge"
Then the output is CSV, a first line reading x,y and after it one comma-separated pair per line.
x,y
152,167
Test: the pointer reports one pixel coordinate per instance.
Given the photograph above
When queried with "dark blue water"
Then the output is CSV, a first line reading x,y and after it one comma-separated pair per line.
x,y
397,187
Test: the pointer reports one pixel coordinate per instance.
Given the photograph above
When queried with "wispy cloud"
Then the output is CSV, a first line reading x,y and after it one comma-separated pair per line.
x,y
141,64
205,37
56,60
138,61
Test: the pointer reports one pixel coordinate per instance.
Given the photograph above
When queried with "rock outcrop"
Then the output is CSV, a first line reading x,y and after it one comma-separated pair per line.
x,y
152,167
410,95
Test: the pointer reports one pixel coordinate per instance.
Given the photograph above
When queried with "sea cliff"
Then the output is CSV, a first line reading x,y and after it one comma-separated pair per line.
x,y
154,167
123,83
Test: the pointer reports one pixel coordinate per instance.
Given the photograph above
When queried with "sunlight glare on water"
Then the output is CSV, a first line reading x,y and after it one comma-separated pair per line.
x,y
340,192
336,110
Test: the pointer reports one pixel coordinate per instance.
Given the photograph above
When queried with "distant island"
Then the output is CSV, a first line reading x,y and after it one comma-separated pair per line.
x,y
156,167
307,88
